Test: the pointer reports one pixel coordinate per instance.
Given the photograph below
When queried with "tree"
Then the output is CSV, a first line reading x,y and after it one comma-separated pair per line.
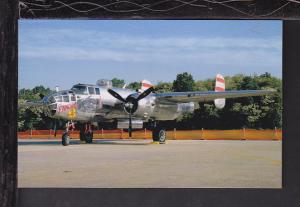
x,y
134,85
118,83
249,83
184,82
163,87
33,117
34,94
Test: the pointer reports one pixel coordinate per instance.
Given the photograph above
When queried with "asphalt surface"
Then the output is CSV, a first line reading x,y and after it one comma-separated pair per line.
x,y
139,164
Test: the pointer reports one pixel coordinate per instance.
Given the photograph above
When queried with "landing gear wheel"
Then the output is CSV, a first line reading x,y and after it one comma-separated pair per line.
x,y
159,135
65,140
89,137
162,136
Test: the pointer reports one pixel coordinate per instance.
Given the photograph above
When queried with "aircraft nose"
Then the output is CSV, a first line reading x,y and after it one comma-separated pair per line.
x,y
51,104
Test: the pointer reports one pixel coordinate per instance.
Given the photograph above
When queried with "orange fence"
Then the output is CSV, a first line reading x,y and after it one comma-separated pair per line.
x,y
239,134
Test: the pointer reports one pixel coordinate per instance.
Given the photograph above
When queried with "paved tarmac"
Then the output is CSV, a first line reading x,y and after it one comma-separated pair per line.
x,y
138,164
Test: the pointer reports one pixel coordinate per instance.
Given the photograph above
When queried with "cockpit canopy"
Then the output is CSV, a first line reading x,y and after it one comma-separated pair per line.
x,y
80,89
85,89
62,96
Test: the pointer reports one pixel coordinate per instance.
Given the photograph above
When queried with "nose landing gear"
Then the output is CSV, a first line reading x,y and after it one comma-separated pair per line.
x,y
65,140
86,133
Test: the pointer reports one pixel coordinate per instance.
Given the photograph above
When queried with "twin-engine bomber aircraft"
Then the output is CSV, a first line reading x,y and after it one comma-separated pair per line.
x,y
86,104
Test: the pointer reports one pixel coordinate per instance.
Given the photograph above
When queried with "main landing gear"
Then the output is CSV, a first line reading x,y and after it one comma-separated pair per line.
x,y
86,133
158,133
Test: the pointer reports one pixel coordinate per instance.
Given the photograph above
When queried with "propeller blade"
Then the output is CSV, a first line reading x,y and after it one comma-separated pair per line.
x,y
145,93
116,95
55,128
130,125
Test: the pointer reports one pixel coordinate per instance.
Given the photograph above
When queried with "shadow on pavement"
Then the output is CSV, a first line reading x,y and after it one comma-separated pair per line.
x,y
77,142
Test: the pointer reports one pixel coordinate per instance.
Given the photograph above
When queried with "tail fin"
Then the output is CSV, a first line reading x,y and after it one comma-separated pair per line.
x,y
220,86
145,84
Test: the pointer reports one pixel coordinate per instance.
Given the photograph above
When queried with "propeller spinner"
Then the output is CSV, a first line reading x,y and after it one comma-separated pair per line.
x,y
130,103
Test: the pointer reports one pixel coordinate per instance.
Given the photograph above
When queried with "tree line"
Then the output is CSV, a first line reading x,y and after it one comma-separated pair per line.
x,y
263,112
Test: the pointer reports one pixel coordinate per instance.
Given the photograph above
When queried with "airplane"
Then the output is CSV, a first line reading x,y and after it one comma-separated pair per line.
x,y
87,104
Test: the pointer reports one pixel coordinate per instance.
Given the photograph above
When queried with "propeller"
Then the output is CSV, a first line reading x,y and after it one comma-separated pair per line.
x,y
55,128
130,103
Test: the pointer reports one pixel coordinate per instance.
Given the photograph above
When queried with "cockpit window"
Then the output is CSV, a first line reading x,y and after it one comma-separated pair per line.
x,y
58,98
73,97
79,89
91,90
51,99
97,91
66,98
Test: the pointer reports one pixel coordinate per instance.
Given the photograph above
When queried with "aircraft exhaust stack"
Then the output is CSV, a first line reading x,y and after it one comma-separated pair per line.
x,y
220,86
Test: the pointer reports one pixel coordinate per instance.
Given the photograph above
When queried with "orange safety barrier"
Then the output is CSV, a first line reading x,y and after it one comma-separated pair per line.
x,y
251,134
223,134
239,134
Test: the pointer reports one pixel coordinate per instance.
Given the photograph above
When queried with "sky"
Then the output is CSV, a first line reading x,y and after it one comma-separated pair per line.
x,y
65,52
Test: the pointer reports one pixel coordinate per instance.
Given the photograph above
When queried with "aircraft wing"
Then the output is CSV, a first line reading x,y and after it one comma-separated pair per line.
x,y
206,96
30,104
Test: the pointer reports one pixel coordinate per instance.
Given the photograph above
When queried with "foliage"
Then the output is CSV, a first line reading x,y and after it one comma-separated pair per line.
x,y
118,83
34,94
134,85
163,87
33,117
184,82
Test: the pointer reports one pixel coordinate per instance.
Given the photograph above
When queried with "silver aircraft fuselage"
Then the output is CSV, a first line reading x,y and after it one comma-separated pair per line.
x,y
92,103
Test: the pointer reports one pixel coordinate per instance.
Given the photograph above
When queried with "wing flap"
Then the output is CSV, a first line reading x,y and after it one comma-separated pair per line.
x,y
206,96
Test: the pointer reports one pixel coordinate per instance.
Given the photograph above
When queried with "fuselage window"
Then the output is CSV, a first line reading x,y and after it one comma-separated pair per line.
x,y
58,98
97,91
66,98
91,90
73,97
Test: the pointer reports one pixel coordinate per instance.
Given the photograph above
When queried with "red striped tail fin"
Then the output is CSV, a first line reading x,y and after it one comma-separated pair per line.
x,y
220,83
145,84
220,86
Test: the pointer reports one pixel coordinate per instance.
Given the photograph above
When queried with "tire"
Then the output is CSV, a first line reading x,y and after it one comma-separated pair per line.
x,y
159,135
89,137
65,140
162,136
